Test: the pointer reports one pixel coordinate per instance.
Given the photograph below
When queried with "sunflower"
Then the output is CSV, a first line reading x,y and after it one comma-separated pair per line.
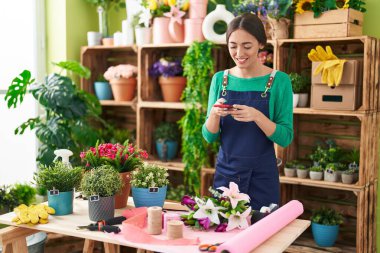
x,y
303,5
342,4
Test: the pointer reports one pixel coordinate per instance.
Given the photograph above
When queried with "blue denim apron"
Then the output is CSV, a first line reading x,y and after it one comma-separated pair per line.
x,y
246,155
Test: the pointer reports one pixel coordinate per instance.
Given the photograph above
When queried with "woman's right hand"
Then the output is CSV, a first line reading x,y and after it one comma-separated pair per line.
x,y
217,111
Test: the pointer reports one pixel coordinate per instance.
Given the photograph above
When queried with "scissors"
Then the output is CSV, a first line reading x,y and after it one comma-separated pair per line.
x,y
208,247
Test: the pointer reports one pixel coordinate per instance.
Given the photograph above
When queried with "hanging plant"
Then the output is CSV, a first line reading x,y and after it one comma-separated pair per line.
x,y
198,67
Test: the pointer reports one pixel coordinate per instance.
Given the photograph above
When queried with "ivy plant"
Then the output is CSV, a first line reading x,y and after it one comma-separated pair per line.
x,y
68,115
198,68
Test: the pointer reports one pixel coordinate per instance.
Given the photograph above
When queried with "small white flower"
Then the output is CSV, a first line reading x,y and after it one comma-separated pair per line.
x,y
237,220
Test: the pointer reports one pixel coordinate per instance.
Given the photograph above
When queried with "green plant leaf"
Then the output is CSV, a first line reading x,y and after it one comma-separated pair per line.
x,y
30,123
74,67
18,88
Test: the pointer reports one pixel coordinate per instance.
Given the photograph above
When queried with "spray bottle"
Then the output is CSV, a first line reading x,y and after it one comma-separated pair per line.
x,y
64,154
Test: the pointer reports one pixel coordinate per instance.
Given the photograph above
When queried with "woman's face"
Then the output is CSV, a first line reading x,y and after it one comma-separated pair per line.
x,y
243,48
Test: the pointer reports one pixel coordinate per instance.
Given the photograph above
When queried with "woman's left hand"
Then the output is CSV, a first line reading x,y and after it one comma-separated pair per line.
x,y
245,113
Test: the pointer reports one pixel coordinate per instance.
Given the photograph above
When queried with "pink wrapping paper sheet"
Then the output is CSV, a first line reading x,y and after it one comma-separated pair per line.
x,y
235,241
253,236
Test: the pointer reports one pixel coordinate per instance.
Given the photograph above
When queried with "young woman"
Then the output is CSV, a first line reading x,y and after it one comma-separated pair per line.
x,y
261,114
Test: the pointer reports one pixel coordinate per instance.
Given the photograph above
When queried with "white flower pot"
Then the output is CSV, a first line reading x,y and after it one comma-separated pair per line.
x,y
219,14
302,173
290,172
316,175
295,99
143,35
303,99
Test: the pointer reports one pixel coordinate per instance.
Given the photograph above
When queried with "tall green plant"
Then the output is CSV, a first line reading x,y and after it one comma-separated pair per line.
x,y
198,68
68,111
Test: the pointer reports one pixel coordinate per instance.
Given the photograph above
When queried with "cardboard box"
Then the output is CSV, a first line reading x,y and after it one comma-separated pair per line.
x,y
346,96
331,24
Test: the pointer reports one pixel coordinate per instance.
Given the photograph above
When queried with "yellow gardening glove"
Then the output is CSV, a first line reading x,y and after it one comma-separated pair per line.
x,y
330,68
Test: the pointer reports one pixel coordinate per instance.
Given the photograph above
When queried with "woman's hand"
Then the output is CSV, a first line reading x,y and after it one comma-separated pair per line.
x,y
245,113
219,112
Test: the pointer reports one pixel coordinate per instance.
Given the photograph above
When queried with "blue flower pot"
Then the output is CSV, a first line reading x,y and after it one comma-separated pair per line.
x,y
103,90
169,152
324,235
62,203
145,197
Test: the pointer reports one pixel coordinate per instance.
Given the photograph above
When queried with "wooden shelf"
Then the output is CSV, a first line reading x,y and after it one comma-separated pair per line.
x,y
174,45
314,40
175,165
322,184
162,105
115,103
310,111
133,48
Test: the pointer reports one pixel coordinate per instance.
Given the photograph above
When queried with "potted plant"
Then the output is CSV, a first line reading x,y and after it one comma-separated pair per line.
x,y
141,23
100,185
353,159
102,89
277,11
316,172
331,174
123,81
166,136
149,185
70,113
290,169
348,176
301,85
60,180
123,158
169,72
325,226
302,171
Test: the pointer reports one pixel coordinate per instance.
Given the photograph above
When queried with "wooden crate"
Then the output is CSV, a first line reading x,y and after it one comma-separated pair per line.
x,y
334,23
99,58
292,57
148,120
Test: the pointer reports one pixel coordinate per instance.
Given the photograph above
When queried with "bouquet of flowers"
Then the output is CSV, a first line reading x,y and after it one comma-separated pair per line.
x,y
320,6
225,211
158,8
166,67
123,158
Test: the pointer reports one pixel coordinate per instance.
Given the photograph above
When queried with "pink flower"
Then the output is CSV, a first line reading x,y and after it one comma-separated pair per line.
x,y
82,155
234,194
188,201
205,223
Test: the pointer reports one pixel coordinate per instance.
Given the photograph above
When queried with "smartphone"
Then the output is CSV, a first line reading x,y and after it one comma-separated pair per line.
x,y
223,106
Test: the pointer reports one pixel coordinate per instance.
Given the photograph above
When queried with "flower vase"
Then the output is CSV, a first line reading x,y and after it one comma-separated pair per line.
x,y
279,28
103,21
198,9
219,14
121,198
123,89
148,197
143,35
161,33
172,87
193,30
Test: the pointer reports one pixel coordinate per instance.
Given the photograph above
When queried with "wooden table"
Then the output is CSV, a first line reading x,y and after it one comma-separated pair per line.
x,y
14,237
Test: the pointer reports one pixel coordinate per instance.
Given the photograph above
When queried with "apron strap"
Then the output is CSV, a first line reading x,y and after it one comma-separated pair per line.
x,y
225,82
269,83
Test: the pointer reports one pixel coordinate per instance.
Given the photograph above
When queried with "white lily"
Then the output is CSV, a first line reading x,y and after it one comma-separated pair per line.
x,y
237,220
145,17
207,210
234,194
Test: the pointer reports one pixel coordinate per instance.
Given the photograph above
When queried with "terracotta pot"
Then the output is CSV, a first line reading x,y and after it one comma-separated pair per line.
x,y
107,42
123,89
172,87
121,198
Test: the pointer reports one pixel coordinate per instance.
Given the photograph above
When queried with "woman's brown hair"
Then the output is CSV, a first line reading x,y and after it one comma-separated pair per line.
x,y
250,23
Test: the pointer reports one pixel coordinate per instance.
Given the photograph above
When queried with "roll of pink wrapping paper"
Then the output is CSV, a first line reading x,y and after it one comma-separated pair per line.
x,y
253,236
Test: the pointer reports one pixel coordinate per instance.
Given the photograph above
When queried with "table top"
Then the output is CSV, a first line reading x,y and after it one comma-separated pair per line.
x,y
67,225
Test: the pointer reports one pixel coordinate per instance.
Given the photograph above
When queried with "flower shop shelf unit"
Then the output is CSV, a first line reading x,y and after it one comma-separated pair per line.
x,y
99,58
292,57
334,23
